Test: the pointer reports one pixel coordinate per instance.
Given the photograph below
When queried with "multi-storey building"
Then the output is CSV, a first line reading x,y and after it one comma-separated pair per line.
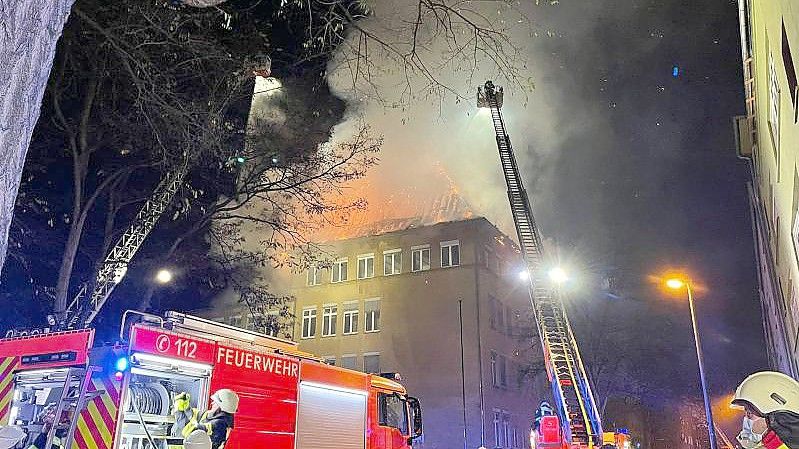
x,y
443,306
768,135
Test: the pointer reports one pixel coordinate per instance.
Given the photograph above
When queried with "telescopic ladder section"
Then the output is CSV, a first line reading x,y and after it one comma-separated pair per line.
x,y
82,310
73,400
572,391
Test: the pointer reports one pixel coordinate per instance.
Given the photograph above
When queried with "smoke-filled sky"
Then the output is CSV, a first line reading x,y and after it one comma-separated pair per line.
x,y
628,166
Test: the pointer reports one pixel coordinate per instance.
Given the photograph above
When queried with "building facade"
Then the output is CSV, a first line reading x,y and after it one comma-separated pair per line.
x,y
768,136
443,306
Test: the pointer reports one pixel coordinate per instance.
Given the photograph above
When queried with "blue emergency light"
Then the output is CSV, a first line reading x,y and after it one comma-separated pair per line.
x,y
122,364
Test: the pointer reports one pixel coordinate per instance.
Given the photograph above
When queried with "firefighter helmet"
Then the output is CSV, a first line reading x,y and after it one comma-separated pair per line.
x,y
227,399
10,436
767,392
197,440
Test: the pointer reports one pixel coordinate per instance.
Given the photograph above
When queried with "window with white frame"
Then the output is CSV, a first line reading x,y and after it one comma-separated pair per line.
x,y
506,428
450,254
392,262
499,442
329,319
366,266
499,370
371,362
314,276
309,322
774,101
420,258
503,371
338,272
349,361
350,315
371,315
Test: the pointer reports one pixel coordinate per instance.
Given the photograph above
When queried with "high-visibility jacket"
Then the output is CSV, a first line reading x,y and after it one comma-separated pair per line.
x,y
772,441
218,427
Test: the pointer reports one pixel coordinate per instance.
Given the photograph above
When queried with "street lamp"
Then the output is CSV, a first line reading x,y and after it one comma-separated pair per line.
x,y
163,276
558,275
679,284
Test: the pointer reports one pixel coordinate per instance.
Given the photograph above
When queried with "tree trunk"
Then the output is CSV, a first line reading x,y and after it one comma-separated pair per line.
x,y
30,30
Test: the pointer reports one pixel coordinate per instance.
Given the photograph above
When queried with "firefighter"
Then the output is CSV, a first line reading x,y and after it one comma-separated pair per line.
x,y
218,421
771,402
184,414
543,410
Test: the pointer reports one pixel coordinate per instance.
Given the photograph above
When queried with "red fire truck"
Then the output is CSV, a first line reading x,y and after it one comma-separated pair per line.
x,y
123,393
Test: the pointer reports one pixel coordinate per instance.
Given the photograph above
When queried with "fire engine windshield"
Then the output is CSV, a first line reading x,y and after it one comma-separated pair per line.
x,y
393,412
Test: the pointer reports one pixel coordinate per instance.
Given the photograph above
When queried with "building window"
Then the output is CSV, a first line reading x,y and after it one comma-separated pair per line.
x,y
330,360
499,372
314,276
371,312
235,321
506,428
392,262
329,319
366,266
349,361
774,102
309,322
338,272
450,254
420,258
494,372
371,362
498,441
790,70
350,318
392,412
508,321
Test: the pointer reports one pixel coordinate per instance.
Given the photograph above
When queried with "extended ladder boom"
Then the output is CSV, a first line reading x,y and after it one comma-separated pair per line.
x,y
572,391
82,310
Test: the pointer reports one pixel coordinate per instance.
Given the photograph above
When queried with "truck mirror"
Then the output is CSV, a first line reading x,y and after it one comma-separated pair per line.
x,y
416,411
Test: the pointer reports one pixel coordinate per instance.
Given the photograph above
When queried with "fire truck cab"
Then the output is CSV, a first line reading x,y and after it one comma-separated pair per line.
x,y
123,393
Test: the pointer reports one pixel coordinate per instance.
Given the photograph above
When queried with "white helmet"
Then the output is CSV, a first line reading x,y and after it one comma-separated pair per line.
x,y
228,400
10,436
768,392
197,440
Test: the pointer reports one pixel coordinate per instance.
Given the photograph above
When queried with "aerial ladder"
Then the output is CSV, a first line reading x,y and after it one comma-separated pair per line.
x,y
579,417
87,304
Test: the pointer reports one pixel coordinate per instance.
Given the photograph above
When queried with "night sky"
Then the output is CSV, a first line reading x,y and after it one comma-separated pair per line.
x,y
630,168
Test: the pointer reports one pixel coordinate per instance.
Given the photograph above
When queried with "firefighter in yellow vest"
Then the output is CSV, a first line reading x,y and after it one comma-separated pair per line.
x,y
183,413
218,421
